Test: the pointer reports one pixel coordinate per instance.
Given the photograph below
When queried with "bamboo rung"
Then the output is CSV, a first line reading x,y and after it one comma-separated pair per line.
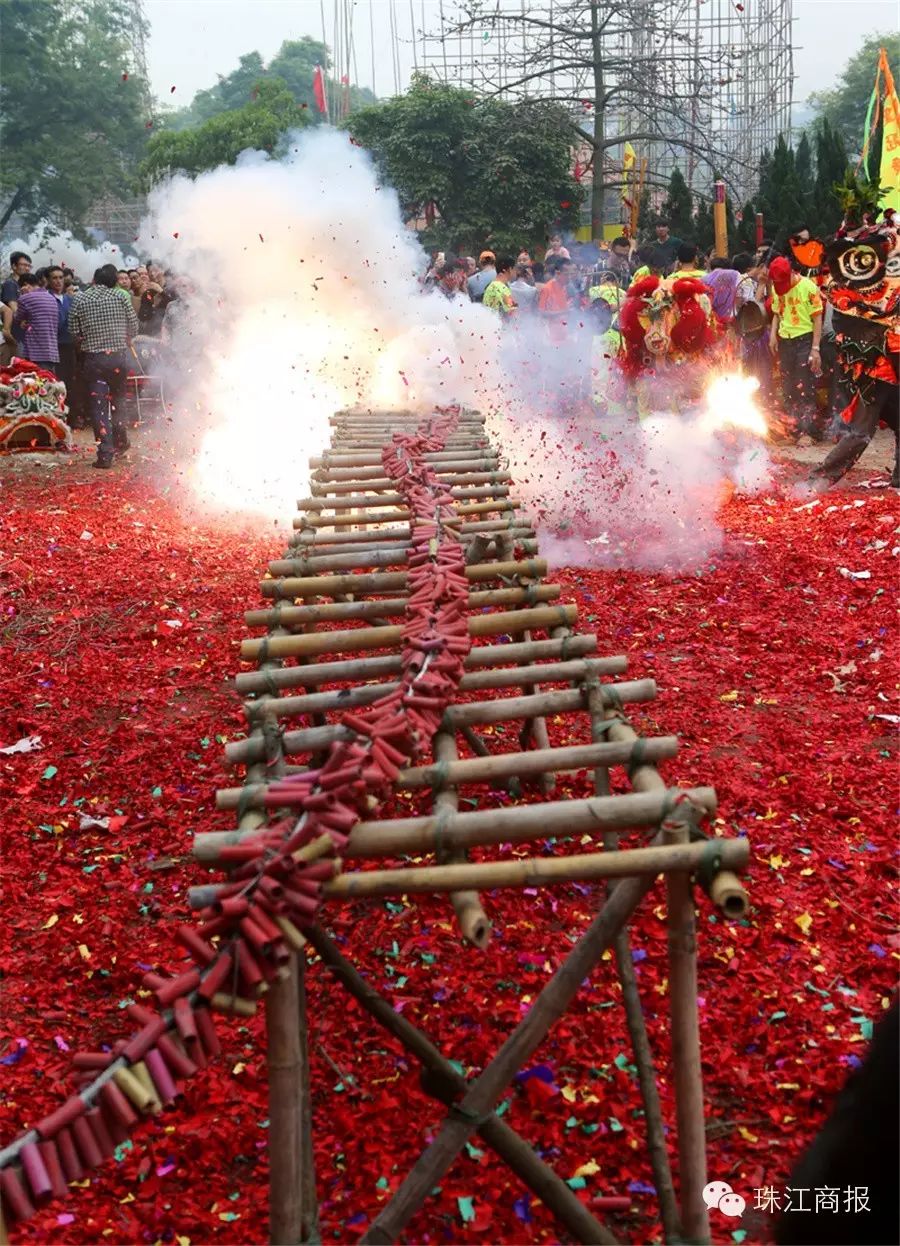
x,y
483,658
353,640
382,608
293,585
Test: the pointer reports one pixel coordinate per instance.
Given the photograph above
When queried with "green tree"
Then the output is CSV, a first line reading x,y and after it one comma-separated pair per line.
x,y
72,119
831,166
645,213
259,125
779,197
489,170
231,91
803,166
678,207
293,64
746,227
845,105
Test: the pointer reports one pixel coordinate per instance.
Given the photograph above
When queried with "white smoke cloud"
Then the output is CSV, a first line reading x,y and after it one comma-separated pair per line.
x,y
46,246
299,295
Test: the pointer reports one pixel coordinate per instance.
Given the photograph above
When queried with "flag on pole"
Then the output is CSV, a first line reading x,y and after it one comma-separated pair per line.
x,y
628,159
319,90
890,142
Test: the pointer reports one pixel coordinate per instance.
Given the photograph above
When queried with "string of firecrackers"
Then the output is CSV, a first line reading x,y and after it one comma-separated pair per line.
x,y
275,888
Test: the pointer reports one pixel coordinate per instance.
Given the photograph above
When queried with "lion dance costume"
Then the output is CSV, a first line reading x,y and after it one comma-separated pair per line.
x,y
863,287
668,332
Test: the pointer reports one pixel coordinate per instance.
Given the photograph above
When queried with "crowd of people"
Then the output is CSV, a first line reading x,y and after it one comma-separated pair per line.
x,y
766,308
87,335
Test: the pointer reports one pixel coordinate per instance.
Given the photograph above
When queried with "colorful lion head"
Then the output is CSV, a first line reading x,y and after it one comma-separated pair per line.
x,y
666,319
864,270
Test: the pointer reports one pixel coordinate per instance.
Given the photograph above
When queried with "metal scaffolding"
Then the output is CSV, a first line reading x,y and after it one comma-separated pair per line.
x,y
708,72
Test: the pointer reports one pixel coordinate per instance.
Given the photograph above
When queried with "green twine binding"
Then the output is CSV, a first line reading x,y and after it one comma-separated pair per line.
x,y
637,757
710,864
437,776
440,826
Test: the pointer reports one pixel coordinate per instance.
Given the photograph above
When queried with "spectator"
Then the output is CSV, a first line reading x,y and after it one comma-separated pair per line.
x,y
65,341
8,348
722,282
451,277
663,252
555,299
556,250
37,323
105,324
483,278
471,266
152,306
619,260
687,265
794,337
498,296
523,287
19,264
123,283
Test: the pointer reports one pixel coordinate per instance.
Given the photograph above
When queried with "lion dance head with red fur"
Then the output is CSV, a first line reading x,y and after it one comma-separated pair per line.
x,y
665,320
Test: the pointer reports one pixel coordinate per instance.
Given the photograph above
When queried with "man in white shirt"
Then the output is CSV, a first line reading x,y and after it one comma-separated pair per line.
x,y
487,273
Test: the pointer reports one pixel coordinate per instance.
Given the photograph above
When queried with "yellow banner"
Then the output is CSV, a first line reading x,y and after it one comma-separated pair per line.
x,y
628,160
890,143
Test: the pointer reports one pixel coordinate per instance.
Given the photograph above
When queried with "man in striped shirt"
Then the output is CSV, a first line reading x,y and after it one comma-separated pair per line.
x,y
105,324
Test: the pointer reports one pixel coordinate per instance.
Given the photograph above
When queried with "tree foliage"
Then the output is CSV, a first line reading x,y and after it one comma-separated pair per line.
x,y
491,171
293,65
260,124
831,165
72,118
678,207
844,107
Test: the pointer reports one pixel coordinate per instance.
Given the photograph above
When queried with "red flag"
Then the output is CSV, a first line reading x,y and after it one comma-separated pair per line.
x,y
319,90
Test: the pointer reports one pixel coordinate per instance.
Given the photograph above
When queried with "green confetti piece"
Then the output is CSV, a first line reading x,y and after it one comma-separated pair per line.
x,y
778,1016
738,1235
503,1107
122,1149
49,772
89,869
229,1216
571,1122
157,791
621,1062
576,1183
473,1151
615,1125
381,1183
466,1207
428,958
394,908
402,980
148,887
589,1129
234,1197
460,1068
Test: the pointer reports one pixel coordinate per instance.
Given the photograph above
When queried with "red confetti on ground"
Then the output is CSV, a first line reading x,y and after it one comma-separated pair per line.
x,y
120,627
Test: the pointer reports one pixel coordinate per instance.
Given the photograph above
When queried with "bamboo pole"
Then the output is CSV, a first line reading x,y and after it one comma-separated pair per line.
x,y
285,572
631,999
503,824
352,640
384,498
531,871
552,1002
685,1024
486,659
512,1149
468,714
383,607
472,919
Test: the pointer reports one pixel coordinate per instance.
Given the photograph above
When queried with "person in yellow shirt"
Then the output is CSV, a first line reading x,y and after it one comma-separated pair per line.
x,y
688,265
498,296
794,338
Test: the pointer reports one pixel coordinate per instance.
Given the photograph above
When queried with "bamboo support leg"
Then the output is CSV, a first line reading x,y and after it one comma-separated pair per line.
x,y
552,1002
634,1016
686,1046
472,919
512,1149
293,1210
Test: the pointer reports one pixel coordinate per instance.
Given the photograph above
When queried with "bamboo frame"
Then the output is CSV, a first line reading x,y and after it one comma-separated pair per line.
x,y
351,542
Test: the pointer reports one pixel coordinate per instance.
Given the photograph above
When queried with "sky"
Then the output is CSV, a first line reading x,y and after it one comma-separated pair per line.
x,y
191,41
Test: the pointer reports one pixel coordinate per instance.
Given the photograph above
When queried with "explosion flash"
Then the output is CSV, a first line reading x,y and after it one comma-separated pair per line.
x,y
730,403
